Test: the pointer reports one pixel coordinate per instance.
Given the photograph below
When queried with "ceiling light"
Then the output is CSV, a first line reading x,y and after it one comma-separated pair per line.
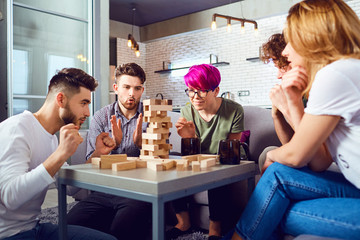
x,y
228,28
229,18
131,40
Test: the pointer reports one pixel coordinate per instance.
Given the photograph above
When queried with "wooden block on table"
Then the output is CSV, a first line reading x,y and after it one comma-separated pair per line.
x,y
191,157
108,160
206,156
118,157
141,163
163,156
195,166
157,119
205,163
121,166
154,165
185,162
133,158
150,147
151,102
157,130
150,113
166,146
166,102
147,157
160,125
168,164
157,152
96,162
180,167
157,107
161,113
153,142
153,136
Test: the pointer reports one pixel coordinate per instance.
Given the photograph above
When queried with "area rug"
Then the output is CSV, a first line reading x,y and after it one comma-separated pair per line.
x,y
51,215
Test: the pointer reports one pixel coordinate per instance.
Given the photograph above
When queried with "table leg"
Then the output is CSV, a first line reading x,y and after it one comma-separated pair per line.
x,y
158,220
62,211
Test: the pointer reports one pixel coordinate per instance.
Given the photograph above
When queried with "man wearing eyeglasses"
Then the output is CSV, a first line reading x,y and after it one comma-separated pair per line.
x,y
211,119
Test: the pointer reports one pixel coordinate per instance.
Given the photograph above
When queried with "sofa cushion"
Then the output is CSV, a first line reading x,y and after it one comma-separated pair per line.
x,y
259,121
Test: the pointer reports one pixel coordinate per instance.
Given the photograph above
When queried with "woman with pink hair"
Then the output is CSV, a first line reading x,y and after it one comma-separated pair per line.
x,y
211,119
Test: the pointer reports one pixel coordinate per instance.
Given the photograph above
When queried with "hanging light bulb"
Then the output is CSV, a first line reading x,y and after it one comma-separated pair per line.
x,y
242,30
256,30
213,25
228,28
137,52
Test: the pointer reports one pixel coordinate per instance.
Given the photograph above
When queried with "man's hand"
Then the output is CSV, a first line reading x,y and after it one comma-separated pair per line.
x,y
104,144
116,130
185,129
70,139
138,131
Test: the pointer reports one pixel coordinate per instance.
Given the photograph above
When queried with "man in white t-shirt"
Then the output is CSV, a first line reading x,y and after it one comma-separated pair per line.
x,y
30,156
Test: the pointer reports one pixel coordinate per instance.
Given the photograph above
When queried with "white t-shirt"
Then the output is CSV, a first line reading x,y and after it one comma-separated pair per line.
x,y
25,145
336,91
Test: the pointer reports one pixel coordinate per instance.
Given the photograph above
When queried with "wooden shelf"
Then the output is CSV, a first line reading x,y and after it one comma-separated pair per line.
x,y
254,59
218,64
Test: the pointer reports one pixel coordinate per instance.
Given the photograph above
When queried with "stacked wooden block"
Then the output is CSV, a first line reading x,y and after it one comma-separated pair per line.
x,y
197,162
154,141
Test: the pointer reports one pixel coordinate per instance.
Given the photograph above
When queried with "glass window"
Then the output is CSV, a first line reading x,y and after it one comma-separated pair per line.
x,y
21,75
56,63
48,36
75,8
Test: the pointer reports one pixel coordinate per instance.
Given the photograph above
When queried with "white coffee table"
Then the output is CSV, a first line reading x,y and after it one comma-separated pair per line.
x,y
150,186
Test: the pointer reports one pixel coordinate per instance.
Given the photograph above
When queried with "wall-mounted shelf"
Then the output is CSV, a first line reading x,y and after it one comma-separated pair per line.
x,y
218,64
254,59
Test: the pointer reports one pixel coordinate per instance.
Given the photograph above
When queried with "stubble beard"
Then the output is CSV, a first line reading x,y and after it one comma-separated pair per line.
x,y
69,117
128,106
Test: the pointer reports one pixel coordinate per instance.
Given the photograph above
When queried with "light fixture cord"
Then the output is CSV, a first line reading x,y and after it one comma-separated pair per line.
x,y
133,21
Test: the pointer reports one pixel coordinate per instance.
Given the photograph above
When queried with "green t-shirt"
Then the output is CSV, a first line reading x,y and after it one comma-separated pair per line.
x,y
228,119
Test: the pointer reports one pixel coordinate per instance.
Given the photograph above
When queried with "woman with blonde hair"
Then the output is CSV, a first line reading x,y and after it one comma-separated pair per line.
x,y
296,195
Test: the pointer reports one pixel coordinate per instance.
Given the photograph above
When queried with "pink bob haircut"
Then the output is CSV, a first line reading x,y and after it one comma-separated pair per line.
x,y
203,77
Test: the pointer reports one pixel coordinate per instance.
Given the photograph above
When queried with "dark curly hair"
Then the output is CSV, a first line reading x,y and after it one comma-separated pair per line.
x,y
272,49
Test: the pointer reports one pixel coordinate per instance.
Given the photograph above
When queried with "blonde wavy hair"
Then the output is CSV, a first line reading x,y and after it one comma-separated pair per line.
x,y
322,31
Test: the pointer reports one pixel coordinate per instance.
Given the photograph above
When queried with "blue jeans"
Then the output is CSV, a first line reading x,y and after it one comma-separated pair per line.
x,y
300,201
48,231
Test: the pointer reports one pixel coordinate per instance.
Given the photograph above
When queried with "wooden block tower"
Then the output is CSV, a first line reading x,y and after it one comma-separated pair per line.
x,y
154,141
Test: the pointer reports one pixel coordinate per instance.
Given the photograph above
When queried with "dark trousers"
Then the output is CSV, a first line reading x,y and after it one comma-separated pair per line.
x,y
121,217
218,203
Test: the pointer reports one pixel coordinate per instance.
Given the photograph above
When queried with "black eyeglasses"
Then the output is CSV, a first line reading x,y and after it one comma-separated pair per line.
x,y
200,93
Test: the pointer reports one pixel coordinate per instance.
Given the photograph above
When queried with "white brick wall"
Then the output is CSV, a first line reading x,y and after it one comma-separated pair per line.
x,y
195,48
